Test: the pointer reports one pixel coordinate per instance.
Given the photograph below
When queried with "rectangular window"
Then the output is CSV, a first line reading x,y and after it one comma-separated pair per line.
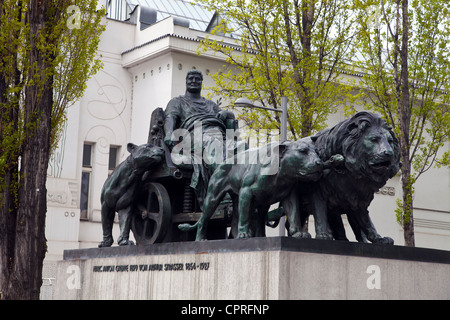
x,y
87,155
85,180
114,152
84,194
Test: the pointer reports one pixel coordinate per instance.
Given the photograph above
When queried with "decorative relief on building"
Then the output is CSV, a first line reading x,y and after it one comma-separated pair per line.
x,y
58,197
63,193
73,188
431,224
103,137
55,164
110,100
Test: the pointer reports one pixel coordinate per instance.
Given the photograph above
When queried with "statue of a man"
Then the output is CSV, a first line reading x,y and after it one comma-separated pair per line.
x,y
189,111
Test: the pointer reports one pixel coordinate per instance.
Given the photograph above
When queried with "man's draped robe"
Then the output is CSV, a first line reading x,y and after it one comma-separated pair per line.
x,y
193,116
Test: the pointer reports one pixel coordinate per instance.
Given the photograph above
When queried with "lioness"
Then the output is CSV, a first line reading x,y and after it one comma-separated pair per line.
x,y
253,190
120,189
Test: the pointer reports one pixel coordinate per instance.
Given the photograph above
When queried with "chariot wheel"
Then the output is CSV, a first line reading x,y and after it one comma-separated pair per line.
x,y
152,220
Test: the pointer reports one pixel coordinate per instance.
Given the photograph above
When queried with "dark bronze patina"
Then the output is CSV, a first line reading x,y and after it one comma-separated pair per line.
x,y
335,172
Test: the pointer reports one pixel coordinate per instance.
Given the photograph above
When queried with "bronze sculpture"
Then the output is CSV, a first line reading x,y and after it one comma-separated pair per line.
x,y
252,189
151,192
371,153
187,111
121,187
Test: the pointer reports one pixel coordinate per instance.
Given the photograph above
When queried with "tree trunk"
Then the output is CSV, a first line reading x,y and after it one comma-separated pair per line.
x,y
404,122
25,277
9,122
407,205
26,271
304,18
305,36
8,213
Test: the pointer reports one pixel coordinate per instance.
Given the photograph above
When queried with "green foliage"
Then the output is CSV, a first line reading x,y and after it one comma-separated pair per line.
x,y
420,116
283,48
404,210
76,61
69,60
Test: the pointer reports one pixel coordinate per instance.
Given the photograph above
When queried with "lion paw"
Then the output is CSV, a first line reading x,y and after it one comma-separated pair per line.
x,y
302,235
324,236
106,243
243,235
385,240
334,161
337,158
124,242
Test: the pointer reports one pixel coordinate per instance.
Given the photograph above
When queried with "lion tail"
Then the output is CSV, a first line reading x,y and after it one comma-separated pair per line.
x,y
187,226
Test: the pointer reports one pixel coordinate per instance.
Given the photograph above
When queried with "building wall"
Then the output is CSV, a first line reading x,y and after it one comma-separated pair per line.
x,y
143,70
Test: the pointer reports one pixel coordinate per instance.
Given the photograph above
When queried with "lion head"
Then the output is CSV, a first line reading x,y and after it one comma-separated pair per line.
x,y
369,146
146,156
299,159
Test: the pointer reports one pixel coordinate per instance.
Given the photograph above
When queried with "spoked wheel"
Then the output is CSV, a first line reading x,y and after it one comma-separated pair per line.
x,y
152,220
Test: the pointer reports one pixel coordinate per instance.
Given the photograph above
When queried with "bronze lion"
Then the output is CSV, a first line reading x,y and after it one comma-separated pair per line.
x,y
250,188
372,156
119,191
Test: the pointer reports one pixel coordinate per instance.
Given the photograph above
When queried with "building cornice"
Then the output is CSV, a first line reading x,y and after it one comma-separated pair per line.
x,y
171,35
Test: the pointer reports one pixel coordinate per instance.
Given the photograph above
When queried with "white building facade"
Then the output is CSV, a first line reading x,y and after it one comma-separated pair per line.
x,y
146,59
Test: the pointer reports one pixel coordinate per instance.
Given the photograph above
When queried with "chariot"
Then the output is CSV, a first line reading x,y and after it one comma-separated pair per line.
x,y
166,199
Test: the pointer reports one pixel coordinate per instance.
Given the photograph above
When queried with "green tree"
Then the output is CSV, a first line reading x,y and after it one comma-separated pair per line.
x,y
405,50
276,48
47,53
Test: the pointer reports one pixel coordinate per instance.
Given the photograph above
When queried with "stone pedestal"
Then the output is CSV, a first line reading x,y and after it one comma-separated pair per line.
x,y
256,268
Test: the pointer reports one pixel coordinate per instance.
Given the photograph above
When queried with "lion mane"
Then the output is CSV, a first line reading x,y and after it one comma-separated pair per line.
x,y
346,138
